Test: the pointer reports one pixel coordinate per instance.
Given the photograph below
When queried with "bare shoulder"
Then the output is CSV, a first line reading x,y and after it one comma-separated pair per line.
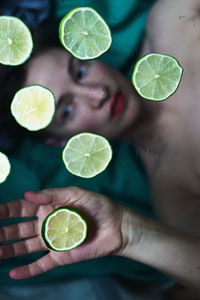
x,y
174,27
173,12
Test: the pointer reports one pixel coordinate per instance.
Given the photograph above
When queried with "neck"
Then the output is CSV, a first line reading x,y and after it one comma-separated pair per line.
x,y
149,134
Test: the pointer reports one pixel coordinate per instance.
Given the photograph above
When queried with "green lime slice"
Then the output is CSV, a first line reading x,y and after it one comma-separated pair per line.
x,y
4,167
33,107
157,76
16,42
64,229
87,154
84,33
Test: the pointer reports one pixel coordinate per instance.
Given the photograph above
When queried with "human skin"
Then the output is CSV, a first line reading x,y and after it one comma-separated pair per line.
x,y
167,136
83,92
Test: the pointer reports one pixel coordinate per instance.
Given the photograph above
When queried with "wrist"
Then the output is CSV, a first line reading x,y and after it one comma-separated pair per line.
x,y
157,245
131,231
139,234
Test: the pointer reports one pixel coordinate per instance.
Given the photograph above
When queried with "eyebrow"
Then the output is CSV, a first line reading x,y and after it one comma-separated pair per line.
x,y
70,71
70,65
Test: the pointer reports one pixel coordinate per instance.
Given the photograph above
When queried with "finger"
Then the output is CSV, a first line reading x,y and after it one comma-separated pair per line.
x,y
28,246
55,196
43,265
17,208
19,231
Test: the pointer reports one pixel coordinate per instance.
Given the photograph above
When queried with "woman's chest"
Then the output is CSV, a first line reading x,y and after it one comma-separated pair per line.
x,y
178,166
175,184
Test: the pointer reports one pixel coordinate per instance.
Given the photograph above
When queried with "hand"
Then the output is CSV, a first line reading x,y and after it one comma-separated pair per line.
x,y
103,216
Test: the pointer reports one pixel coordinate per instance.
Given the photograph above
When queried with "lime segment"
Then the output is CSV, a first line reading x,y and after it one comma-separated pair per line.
x,y
157,76
64,229
84,33
15,41
33,107
4,167
87,154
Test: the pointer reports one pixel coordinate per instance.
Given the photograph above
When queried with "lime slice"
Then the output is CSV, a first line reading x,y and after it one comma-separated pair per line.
x,y
15,41
33,107
87,154
4,167
157,76
84,33
64,229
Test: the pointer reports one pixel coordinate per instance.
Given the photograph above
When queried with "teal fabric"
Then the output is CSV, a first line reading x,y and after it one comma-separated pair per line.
x,y
36,166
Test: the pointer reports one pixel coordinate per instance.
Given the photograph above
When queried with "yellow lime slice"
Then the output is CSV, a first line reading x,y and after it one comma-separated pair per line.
x,y
64,229
157,76
4,167
84,33
87,154
33,107
15,41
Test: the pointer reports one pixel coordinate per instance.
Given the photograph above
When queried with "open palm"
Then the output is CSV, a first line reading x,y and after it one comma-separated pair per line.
x,y
104,226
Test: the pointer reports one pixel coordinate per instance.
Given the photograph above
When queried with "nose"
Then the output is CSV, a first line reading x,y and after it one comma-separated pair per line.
x,y
94,95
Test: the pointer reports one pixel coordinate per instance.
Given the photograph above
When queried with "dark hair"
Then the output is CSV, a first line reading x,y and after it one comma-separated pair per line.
x,y
12,78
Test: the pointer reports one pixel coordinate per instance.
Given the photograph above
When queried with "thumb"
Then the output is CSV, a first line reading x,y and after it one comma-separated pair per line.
x,y
54,196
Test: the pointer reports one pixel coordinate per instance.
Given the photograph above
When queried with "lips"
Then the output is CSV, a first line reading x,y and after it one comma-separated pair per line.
x,y
118,102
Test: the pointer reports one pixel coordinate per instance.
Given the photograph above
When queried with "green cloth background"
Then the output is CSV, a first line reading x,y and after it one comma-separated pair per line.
x,y
36,166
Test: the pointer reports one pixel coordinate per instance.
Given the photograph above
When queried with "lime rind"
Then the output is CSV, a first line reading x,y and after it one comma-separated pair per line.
x,y
87,155
5,167
157,64
25,114
16,45
45,228
98,35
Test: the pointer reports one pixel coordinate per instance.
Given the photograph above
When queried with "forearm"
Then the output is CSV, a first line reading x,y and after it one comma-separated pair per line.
x,y
170,251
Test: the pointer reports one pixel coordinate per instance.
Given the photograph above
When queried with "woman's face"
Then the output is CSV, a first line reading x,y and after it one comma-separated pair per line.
x,y
90,96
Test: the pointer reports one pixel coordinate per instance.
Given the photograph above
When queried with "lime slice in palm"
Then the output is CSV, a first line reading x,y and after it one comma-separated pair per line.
x,y
33,107
84,33
157,76
15,41
4,167
64,229
87,154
